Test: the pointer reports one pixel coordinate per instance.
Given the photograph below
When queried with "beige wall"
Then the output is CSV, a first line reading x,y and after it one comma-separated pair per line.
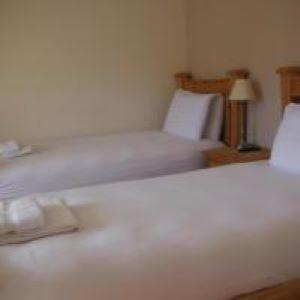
x,y
257,34
74,67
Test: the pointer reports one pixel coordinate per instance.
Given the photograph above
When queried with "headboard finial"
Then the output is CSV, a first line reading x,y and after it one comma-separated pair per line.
x,y
238,74
182,78
290,84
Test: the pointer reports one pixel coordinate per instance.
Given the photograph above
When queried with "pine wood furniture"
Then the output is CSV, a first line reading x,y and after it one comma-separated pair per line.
x,y
290,93
226,155
286,291
232,115
290,84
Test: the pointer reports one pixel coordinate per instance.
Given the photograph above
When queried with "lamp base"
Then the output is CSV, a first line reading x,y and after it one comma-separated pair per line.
x,y
245,147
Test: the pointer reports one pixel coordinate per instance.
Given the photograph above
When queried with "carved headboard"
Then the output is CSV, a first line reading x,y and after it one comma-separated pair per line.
x,y
232,116
290,85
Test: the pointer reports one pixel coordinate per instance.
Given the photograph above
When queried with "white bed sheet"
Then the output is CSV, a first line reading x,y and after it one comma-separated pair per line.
x,y
70,163
207,234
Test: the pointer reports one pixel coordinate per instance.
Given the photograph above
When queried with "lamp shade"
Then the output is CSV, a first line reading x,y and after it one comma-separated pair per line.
x,y
242,91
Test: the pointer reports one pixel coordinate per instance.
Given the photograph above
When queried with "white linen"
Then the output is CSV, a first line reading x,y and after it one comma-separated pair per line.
x,y
188,114
8,147
57,219
213,127
286,149
26,150
207,234
12,149
70,163
24,215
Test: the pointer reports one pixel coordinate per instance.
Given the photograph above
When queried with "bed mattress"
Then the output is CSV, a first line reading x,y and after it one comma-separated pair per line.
x,y
69,163
207,234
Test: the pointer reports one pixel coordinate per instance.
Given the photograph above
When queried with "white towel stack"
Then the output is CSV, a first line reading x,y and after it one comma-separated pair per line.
x,y
30,218
10,149
24,215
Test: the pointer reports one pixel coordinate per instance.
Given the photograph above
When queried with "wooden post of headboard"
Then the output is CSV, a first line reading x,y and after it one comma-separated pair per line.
x,y
233,111
182,78
290,84
232,114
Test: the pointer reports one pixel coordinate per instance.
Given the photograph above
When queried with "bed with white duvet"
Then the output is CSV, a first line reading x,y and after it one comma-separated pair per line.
x,y
207,234
76,162
193,124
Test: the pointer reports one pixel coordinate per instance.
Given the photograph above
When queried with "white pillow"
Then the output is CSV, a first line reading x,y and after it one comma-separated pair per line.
x,y
188,114
214,124
286,148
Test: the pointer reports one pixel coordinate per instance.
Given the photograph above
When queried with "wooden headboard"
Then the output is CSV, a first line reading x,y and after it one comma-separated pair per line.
x,y
290,85
232,115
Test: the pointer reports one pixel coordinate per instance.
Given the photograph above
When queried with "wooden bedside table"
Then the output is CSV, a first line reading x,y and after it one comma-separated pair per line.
x,y
286,291
226,155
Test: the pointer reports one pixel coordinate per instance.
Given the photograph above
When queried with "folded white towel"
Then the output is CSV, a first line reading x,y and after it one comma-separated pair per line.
x,y
58,219
25,215
58,214
18,152
8,147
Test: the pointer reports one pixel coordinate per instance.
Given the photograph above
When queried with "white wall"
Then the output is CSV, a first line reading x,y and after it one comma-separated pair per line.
x,y
260,35
74,67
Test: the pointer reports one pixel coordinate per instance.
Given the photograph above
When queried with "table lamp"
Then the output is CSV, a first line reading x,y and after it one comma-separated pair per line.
x,y
243,92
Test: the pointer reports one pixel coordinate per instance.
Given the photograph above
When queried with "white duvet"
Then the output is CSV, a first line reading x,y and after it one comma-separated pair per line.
x,y
207,234
69,163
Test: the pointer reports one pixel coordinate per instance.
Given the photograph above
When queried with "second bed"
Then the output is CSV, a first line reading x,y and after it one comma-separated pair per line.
x,y
76,162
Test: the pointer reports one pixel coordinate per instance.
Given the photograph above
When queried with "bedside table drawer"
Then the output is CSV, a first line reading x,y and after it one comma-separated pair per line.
x,y
225,156
214,163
